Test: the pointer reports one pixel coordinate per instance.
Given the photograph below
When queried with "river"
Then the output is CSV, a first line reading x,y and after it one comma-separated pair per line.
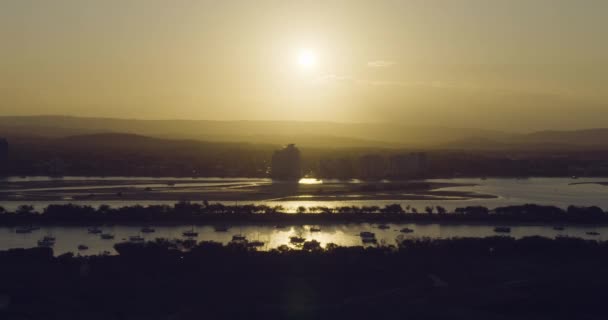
x,y
68,238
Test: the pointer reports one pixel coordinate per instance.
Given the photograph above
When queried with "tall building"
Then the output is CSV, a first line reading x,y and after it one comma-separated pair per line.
x,y
407,165
286,164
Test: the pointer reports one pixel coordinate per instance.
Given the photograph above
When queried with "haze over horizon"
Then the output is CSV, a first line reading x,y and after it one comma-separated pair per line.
x,y
505,65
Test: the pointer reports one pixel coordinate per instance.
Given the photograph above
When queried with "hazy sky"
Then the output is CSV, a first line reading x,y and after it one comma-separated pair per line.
x,y
512,64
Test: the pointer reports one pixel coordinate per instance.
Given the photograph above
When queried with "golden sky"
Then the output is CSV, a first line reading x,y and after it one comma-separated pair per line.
x,y
511,64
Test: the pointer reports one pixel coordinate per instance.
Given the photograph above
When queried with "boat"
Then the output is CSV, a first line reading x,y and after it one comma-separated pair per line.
x,y
49,238
147,230
296,239
384,226
369,240
406,230
592,233
46,242
190,233
239,237
502,229
82,247
255,244
107,236
23,230
315,229
94,230
367,234
558,228
221,228
136,239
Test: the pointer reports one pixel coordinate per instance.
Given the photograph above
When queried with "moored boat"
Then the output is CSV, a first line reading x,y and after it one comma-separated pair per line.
x,y
406,230
136,239
95,230
502,229
296,239
147,230
239,237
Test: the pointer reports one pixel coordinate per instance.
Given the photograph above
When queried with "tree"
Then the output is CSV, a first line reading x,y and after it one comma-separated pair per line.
x,y
440,210
25,209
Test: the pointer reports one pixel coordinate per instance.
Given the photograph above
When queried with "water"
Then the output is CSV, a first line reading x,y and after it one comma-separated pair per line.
x,y
560,192
68,238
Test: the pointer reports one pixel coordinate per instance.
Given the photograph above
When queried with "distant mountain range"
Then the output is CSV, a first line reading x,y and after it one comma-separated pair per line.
x,y
312,134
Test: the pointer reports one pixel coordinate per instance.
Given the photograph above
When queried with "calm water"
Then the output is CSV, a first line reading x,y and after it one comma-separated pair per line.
x,y
560,192
549,191
68,238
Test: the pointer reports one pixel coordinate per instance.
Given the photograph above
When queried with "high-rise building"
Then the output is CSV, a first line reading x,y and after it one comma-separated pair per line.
x,y
286,164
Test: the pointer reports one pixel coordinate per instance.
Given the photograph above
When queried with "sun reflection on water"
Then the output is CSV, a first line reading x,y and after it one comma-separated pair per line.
x,y
310,181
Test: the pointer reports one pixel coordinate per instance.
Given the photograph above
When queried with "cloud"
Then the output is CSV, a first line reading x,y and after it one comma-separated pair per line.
x,y
380,63
332,78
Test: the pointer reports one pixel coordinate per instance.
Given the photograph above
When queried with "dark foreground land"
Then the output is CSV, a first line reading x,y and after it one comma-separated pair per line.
x,y
491,278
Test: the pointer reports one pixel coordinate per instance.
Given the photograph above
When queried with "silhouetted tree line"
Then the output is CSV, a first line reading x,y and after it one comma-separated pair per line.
x,y
193,212
489,278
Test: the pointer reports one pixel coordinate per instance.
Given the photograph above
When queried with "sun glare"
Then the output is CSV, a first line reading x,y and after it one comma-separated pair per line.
x,y
307,59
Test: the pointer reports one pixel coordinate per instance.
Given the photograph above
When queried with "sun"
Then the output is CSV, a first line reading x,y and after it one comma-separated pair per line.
x,y
307,59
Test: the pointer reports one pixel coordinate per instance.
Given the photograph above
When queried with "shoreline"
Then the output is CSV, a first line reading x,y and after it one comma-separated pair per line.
x,y
216,213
